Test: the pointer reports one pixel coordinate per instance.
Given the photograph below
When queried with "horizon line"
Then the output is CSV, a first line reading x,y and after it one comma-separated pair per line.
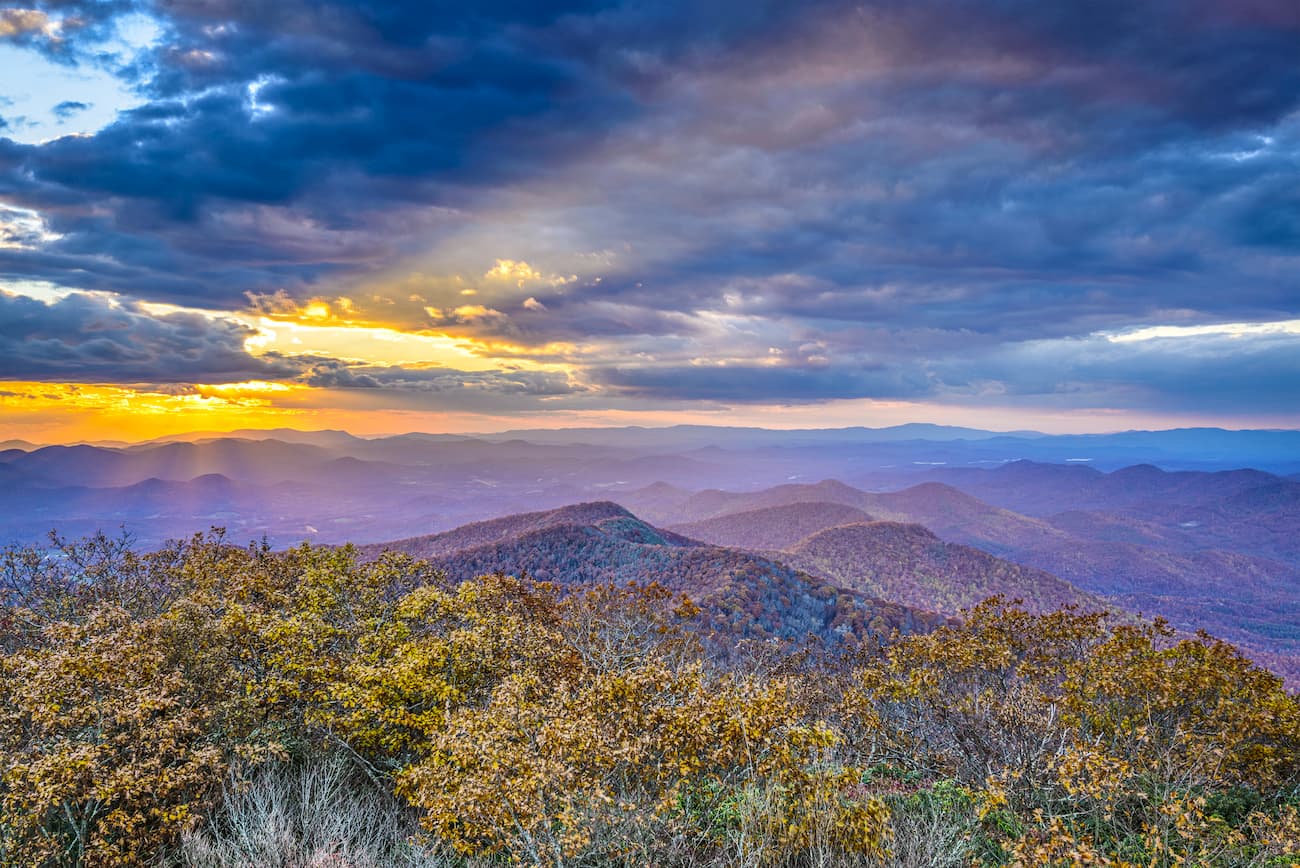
x,y
239,433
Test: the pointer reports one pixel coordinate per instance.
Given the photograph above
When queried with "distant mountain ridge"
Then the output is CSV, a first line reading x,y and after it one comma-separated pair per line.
x,y
1179,518
260,461
324,437
946,510
20,445
688,436
772,527
584,543
368,488
1035,488
1200,524
1188,448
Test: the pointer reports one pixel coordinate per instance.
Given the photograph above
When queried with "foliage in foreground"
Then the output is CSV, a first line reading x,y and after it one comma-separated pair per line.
x,y
213,705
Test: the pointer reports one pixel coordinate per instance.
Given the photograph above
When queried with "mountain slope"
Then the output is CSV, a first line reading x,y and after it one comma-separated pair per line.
x,y
668,505
951,513
741,595
510,528
242,460
959,517
910,564
773,527
1158,558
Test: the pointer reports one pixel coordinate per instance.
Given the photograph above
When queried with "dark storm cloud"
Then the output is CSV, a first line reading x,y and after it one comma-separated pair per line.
x,y
341,111
1223,372
86,338
333,374
955,179
380,387
337,113
759,383
333,112
1212,373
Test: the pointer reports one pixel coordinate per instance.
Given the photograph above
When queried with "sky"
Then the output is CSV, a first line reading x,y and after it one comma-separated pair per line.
x,y
420,215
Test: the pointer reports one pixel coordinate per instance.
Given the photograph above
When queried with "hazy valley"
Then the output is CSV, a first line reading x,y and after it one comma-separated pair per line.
x,y
794,528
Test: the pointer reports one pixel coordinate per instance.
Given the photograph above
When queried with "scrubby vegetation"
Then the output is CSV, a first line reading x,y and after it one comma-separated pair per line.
x,y
215,705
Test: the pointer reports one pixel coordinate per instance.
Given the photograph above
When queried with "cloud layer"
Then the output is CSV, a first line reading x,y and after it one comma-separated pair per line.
x,y
87,338
729,202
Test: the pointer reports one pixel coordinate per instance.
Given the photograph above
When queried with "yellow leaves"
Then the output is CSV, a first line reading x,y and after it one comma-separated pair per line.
x,y
1277,836
1195,710
542,729
442,650
1060,847
103,747
602,748
1095,746
992,799
1085,771
121,717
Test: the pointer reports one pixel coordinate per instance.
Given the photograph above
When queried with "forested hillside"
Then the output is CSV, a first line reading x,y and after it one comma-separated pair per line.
x,y
773,527
741,595
908,563
212,705
1222,561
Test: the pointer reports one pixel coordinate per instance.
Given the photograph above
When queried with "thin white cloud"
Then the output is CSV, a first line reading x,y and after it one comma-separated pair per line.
x,y
1227,329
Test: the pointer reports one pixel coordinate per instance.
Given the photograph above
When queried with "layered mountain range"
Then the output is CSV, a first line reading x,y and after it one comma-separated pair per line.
x,y
907,527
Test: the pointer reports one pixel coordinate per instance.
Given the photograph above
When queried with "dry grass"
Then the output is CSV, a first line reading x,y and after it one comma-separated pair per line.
x,y
317,814
928,835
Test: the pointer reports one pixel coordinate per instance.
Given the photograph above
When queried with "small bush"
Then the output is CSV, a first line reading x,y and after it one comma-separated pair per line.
x,y
933,828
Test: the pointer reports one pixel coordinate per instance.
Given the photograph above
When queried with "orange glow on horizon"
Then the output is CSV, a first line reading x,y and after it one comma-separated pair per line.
x,y
71,412
48,413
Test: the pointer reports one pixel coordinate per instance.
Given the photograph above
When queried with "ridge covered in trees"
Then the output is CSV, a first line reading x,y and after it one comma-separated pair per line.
x,y
1205,550
908,563
742,595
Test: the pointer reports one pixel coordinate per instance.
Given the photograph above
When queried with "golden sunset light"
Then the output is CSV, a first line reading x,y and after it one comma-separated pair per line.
x,y
621,433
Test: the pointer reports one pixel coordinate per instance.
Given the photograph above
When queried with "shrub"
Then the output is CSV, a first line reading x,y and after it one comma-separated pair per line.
x,y
213,705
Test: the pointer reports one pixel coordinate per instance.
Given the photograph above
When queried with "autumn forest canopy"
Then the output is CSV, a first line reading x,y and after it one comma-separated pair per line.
x,y
210,704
